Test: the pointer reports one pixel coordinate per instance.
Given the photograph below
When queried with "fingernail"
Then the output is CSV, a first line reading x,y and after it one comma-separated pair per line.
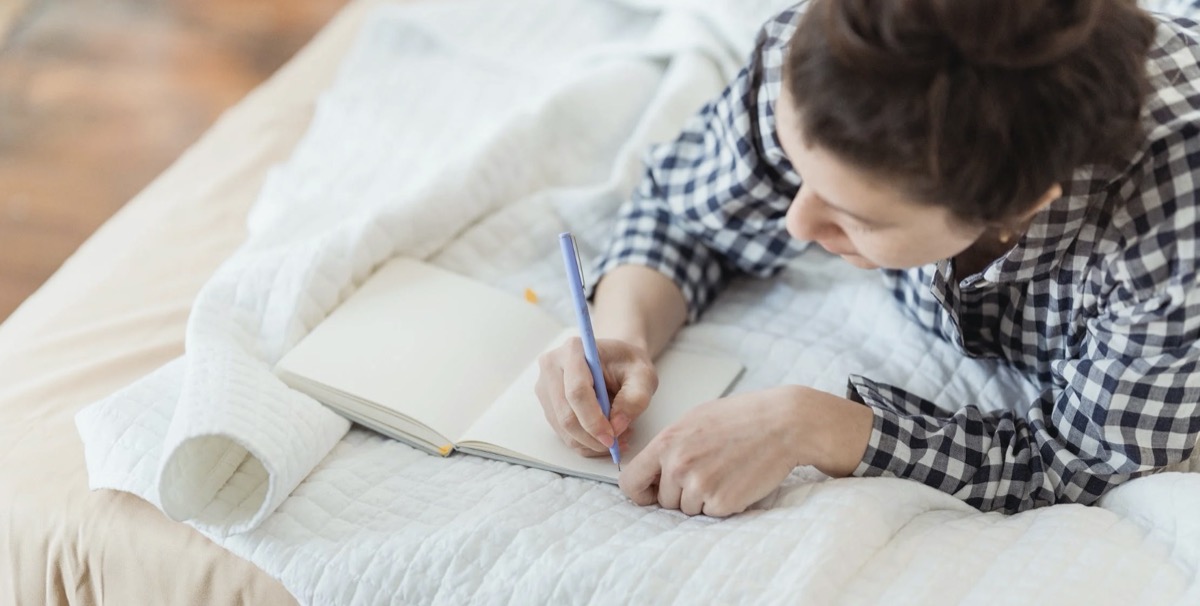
x,y
607,441
620,423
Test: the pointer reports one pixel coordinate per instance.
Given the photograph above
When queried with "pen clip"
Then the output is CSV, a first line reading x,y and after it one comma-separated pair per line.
x,y
578,263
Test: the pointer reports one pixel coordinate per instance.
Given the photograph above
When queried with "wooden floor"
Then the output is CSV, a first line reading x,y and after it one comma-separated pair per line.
x,y
99,96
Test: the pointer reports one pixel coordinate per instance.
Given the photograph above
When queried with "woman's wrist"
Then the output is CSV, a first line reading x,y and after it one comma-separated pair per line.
x,y
622,331
831,433
625,333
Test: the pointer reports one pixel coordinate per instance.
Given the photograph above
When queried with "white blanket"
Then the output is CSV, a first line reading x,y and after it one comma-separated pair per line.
x,y
470,133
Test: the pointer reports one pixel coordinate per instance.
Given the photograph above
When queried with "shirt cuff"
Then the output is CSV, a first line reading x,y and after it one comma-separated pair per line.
x,y
896,414
699,282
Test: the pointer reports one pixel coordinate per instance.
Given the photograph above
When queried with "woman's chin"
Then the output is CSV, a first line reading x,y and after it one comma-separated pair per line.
x,y
859,262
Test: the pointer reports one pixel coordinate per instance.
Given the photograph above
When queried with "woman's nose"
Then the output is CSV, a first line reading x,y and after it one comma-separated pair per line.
x,y
804,221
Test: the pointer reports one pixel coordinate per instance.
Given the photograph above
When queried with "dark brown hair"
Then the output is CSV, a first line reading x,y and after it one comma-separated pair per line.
x,y
977,105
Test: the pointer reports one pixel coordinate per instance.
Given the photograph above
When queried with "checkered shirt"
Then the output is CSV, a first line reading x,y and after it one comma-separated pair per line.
x,y
1098,302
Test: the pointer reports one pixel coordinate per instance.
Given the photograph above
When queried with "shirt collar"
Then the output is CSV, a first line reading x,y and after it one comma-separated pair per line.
x,y
1052,232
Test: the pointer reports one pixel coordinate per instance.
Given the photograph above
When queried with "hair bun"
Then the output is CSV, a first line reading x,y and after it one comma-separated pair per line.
x,y
926,34
1017,34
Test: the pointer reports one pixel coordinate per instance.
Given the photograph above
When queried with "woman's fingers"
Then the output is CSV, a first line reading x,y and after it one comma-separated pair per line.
x,y
691,502
633,396
581,417
558,412
566,390
640,478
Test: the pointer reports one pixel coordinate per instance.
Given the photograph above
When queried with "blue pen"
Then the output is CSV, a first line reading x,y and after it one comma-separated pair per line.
x,y
575,280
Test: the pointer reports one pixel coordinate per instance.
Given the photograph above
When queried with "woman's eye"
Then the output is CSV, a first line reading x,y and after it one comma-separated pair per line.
x,y
861,227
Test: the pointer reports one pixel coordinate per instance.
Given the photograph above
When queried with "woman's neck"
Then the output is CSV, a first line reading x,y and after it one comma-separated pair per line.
x,y
989,247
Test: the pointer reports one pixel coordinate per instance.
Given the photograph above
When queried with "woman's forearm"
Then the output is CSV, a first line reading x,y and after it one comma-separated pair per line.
x,y
638,305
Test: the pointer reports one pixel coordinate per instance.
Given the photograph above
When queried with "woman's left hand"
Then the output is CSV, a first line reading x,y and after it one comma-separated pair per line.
x,y
722,456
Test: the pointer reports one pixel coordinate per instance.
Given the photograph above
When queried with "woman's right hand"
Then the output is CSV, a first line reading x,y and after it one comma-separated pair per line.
x,y
564,388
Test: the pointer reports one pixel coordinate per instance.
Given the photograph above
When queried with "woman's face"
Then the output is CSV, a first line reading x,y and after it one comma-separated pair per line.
x,y
852,214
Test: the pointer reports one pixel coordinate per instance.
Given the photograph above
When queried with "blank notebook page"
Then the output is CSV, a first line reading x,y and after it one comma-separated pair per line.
x,y
425,342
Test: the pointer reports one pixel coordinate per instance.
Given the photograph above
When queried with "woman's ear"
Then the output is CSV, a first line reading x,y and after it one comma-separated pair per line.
x,y
1004,233
1055,192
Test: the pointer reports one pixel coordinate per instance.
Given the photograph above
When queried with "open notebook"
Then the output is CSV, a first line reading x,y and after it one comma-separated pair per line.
x,y
445,363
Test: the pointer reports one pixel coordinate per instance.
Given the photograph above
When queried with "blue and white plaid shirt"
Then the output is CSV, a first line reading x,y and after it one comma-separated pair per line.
x,y
1098,302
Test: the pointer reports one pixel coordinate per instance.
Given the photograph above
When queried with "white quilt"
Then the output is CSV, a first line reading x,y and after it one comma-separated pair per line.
x,y
470,133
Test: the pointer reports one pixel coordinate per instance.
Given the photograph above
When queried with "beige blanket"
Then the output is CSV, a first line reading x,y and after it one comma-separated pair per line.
x,y
115,311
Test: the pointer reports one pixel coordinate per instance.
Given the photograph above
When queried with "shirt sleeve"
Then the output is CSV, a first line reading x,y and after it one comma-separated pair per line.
x,y
1126,405
712,201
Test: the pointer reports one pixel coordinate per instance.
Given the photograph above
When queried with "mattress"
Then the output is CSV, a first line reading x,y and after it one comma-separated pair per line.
x,y
115,311
376,522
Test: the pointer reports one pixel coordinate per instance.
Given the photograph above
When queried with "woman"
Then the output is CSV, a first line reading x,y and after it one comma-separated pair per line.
x,y
1023,174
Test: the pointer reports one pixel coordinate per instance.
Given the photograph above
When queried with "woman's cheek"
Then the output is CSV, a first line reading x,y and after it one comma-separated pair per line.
x,y
898,254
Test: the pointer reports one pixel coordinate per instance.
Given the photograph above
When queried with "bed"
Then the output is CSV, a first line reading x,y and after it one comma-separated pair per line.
x,y
367,520
115,311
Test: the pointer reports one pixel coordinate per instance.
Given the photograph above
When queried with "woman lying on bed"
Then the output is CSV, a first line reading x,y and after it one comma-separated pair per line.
x,y
1023,175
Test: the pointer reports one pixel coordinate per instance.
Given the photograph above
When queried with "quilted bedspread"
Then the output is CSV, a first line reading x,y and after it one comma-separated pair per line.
x,y
470,133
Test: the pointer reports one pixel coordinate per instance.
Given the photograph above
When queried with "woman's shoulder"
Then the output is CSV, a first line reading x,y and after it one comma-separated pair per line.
x,y
1170,151
1145,215
1173,72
